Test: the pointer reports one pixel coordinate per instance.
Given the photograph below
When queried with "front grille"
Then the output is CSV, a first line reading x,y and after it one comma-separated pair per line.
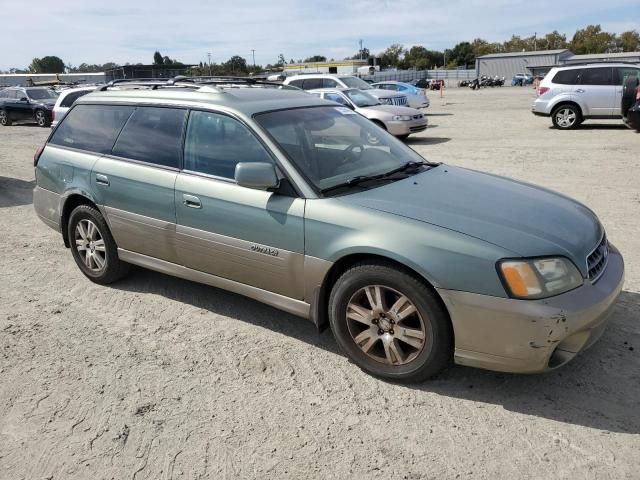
x,y
597,260
399,100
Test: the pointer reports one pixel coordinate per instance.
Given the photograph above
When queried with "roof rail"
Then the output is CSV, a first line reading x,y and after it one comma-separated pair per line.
x,y
597,62
192,82
230,80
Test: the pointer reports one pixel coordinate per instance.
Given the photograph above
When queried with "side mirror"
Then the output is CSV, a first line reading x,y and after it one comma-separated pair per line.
x,y
24,99
258,175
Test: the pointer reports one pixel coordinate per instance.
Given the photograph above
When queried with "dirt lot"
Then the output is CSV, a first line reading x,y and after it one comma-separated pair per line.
x,y
159,378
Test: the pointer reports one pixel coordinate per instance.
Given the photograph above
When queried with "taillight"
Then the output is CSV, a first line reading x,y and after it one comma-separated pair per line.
x,y
53,114
543,90
36,156
637,94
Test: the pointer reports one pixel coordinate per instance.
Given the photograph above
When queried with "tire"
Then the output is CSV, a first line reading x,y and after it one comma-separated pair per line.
x,y
93,247
566,117
5,121
41,119
403,137
357,326
628,94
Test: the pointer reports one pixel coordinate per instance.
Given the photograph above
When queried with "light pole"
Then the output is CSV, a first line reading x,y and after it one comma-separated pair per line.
x,y
209,57
253,52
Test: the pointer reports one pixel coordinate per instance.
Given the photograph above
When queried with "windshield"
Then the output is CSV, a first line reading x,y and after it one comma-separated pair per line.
x,y
41,93
332,145
361,99
355,82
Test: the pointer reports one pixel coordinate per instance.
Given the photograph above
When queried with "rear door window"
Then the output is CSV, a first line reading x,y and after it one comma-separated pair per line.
x,y
153,135
311,83
622,73
329,83
91,127
597,76
68,100
296,83
216,143
567,77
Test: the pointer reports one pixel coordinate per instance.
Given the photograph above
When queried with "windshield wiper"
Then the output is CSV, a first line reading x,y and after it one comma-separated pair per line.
x,y
352,182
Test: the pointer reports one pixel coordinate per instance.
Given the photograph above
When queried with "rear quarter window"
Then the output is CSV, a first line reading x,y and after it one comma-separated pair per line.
x,y
91,127
567,77
68,100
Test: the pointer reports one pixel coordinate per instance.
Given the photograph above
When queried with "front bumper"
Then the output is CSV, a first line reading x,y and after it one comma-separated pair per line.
x,y
405,128
530,336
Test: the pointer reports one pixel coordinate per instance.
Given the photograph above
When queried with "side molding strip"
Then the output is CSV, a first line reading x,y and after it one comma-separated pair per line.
x,y
290,305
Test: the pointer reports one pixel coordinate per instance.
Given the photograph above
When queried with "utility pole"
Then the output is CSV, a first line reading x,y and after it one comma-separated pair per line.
x,y
360,49
535,41
253,52
209,57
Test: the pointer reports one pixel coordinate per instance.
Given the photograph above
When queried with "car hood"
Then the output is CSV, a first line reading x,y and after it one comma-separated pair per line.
x,y
387,110
527,220
380,93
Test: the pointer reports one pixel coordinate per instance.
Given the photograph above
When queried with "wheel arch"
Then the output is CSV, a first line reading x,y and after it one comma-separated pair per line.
x,y
565,102
69,202
320,302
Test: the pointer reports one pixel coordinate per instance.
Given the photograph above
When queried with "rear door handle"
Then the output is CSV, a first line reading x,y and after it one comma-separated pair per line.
x,y
102,179
191,201
579,90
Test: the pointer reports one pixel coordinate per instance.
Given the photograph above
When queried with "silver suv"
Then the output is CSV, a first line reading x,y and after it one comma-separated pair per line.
x,y
570,95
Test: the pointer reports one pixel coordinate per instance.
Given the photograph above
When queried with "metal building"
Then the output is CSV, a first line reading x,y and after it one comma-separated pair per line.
x,y
508,64
24,79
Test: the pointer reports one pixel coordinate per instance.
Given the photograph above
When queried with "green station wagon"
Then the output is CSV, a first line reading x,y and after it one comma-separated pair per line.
x,y
286,198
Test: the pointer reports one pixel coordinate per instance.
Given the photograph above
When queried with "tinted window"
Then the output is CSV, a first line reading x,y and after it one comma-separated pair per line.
x,y
334,97
296,83
311,83
329,83
153,135
622,73
596,76
3,94
72,97
216,143
91,127
41,93
567,77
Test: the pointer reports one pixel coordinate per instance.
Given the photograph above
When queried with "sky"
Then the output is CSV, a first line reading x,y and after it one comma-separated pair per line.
x,y
97,32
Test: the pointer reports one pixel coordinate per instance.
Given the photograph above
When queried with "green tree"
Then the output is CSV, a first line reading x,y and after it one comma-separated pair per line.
x,y
281,60
553,41
592,39
235,64
157,58
49,64
392,55
628,41
462,55
316,58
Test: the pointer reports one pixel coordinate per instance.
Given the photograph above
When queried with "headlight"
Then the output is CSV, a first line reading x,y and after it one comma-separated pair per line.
x,y
385,101
539,278
402,118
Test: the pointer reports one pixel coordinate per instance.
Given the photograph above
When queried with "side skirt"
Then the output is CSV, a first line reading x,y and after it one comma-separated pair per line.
x,y
289,305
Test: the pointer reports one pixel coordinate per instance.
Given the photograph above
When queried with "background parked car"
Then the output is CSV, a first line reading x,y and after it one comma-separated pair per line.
x,y
570,95
398,121
312,82
416,97
522,79
65,100
24,104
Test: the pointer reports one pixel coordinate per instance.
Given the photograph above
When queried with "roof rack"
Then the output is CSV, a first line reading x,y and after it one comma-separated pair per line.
x,y
597,62
229,80
213,82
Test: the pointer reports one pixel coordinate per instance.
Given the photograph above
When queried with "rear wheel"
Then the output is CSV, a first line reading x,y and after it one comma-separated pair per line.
x,y
42,119
389,323
566,117
403,137
5,121
93,247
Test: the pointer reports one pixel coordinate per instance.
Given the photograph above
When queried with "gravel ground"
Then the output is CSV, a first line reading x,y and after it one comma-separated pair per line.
x,y
158,378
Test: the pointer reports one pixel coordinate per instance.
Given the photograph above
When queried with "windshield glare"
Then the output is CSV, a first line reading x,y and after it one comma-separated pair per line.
x,y
41,94
355,82
361,99
331,145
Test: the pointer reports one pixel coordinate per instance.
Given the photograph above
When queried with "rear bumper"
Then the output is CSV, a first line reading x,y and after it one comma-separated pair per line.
x,y
530,336
47,206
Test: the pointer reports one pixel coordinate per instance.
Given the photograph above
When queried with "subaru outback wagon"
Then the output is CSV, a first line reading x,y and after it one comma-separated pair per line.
x,y
279,196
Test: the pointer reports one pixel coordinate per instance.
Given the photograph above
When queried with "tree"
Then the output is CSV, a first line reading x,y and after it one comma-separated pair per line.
x,y
236,64
592,39
552,41
157,58
49,64
281,60
363,54
391,56
462,55
628,41
316,58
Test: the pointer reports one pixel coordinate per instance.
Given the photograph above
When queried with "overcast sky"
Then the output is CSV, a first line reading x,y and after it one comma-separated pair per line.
x,y
130,31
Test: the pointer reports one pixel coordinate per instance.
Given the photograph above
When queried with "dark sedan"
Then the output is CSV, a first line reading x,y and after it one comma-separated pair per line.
x,y
27,104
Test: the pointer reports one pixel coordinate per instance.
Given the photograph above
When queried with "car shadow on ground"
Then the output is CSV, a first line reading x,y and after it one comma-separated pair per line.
x,y
599,126
598,389
426,140
15,192
438,114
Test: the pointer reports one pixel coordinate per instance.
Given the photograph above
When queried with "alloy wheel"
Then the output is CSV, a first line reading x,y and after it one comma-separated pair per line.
x,y
3,117
386,325
40,118
566,117
90,245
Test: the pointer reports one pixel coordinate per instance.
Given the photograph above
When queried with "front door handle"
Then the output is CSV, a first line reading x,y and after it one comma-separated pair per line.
x,y
102,179
191,201
580,90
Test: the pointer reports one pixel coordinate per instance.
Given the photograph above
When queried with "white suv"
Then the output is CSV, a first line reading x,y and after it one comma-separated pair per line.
x,y
570,95
313,82
65,100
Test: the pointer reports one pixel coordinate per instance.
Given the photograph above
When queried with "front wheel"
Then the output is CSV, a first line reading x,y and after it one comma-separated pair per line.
x,y
41,119
5,121
93,247
566,117
390,323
